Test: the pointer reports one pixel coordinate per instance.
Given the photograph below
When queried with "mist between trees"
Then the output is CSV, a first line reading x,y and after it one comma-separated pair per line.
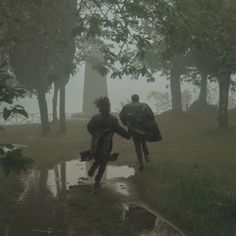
x,y
187,41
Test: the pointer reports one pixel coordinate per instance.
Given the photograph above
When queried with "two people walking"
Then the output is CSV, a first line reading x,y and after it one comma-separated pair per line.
x,y
139,119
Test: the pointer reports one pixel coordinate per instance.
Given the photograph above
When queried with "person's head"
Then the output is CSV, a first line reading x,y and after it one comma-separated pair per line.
x,y
103,104
135,98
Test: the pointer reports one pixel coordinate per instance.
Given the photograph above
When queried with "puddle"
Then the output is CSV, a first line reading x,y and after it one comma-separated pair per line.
x,y
41,204
76,174
39,212
142,221
122,188
119,172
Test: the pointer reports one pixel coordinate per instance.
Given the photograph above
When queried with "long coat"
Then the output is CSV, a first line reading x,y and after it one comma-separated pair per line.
x,y
140,120
102,127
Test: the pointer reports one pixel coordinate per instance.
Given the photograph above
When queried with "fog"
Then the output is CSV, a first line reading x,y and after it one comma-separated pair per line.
x,y
119,91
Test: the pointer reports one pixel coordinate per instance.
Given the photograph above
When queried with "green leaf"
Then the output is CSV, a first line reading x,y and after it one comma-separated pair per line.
x,y
6,113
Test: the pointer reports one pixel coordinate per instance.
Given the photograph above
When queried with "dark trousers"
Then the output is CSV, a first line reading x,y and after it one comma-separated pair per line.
x,y
101,157
141,149
101,164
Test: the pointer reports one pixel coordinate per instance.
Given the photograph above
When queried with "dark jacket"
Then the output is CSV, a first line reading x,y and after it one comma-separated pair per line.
x,y
102,127
140,120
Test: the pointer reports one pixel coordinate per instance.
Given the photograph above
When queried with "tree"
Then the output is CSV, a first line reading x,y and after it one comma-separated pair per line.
x,y
42,53
162,101
116,23
11,157
9,90
136,28
30,54
212,34
174,68
206,66
64,50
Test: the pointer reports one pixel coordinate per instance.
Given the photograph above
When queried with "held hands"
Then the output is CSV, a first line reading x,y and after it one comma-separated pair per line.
x,y
128,136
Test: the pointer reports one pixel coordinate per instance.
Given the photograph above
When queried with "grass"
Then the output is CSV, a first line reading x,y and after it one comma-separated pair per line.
x,y
46,150
192,177
190,181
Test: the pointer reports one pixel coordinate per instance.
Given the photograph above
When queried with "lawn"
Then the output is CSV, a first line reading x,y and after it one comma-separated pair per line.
x,y
190,181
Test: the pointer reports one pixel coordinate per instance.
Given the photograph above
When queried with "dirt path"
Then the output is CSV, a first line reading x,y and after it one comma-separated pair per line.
x,y
63,202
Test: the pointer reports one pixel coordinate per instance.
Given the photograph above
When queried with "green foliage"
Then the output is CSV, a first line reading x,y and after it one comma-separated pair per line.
x,y
14,110
116,24
10,90
45,47
12,159
140,27
212,33
162,101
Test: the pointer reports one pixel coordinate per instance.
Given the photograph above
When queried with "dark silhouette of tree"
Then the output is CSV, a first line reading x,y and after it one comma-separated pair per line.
x,y
206,66
117,23
47,52
10,90
30,57
64,62
186,33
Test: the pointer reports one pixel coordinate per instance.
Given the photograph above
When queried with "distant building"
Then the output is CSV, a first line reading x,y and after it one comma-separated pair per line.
x,y
95,84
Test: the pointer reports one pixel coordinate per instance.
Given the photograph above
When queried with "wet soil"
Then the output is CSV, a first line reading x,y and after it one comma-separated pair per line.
x,y
63,202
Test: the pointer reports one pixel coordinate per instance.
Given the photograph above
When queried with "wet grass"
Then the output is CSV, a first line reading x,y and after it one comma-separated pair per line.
x,y
47,150
190,181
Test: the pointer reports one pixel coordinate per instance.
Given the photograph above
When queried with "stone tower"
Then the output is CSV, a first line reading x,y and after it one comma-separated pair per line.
x,y
95,84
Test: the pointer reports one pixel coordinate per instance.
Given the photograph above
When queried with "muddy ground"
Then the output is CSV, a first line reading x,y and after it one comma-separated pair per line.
x,y
63,201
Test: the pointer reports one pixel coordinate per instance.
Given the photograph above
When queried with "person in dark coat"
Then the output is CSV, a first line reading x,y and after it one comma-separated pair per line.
x,y
102,127
140,120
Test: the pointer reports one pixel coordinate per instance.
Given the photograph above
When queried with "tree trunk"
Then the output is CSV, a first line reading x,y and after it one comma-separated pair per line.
x,y
43,111
223,102
203,90
62,108
175,88
54,103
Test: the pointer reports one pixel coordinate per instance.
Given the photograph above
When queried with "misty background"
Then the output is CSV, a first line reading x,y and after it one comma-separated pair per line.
x,y
119,91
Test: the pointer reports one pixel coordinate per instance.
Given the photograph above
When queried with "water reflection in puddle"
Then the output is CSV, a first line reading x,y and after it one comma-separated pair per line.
x,y
122,188
39,212
76,174
41,205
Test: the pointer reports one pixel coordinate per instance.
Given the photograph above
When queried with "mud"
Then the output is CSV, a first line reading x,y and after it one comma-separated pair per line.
x,y
41,208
